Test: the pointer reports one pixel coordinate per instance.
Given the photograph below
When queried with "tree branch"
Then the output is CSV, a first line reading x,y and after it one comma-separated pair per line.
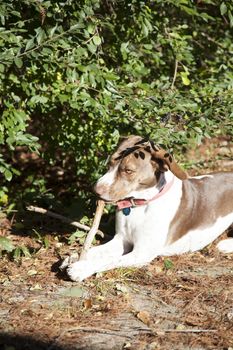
x,y
62,218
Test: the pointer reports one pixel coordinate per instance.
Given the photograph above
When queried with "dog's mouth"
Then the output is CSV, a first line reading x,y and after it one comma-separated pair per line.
x,y
107,201
109,196
112,200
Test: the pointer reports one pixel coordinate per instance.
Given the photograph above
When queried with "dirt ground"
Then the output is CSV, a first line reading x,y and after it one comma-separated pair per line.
x,y
184,302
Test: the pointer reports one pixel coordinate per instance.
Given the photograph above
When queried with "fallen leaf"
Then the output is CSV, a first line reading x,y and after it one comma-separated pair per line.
x,y
160,333
49,316
144,316
180,327
75,291
32,272
157,268
230,315
121,288
37,286
87,303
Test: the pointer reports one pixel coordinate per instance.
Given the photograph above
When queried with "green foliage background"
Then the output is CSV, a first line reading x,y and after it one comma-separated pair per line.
x,y
77,74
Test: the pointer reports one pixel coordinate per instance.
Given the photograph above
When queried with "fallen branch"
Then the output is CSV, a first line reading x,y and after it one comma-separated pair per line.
x,y
62,218
113,332
91,234
188,330
121,333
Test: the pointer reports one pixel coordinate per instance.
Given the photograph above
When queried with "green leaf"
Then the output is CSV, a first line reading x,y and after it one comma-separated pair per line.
x,y
17,253
145,30
6,244
230,18
46,242
52,31
184,77
40,35
30,44
25,251
91,28
18,61
39,99
92,48
168,264
3,198
77,235
197,129
8,174
97,40
223,8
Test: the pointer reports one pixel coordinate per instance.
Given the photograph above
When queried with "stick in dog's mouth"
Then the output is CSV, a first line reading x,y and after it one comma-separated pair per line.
x,y
94,228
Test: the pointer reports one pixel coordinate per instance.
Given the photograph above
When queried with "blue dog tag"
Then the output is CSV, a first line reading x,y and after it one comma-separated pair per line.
x,y
126,211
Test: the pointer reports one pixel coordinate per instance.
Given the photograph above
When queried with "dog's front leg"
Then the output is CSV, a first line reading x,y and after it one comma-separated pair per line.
x,y
80,270
112,250
115,247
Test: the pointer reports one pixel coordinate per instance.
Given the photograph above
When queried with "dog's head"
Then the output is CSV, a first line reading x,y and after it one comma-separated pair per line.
x,y
136,165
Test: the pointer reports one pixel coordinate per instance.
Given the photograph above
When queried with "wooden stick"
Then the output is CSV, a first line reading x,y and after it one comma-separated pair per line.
x,y
121,333
94,228
62,218
188,330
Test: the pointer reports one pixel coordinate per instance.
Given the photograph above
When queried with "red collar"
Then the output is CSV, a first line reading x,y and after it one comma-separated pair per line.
x,y
133,202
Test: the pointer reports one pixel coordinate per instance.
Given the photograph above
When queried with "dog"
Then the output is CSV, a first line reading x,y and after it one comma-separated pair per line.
x,y
160,210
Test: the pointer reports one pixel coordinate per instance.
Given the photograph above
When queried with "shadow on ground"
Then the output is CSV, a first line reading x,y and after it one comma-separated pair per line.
x,y
17,342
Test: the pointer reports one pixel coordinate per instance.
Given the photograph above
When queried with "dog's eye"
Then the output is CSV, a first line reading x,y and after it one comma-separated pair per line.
x,y
128,171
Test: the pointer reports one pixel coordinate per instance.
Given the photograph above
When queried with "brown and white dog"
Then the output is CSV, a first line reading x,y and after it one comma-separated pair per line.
x,y
160,210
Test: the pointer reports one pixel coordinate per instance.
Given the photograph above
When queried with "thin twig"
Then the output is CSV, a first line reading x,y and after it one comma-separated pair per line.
x,y
175,74
116,332
62,218
44,43
119,333
52,39
188,330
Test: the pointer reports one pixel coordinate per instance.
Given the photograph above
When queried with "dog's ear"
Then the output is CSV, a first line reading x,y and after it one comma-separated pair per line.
x,y
126,142
167,162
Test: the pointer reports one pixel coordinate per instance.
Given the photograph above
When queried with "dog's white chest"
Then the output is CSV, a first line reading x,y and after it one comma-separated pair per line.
x,y
150,222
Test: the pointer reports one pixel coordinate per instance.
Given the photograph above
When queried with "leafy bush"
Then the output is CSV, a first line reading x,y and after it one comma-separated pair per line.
x,y
77,74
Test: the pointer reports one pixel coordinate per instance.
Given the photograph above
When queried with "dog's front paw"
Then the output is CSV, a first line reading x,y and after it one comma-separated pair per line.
x,y
226,246
79,270
68,260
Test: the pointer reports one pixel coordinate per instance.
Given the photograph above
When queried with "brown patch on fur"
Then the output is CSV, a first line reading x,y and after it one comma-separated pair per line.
x,y
147,149
197,209
172,165
142,155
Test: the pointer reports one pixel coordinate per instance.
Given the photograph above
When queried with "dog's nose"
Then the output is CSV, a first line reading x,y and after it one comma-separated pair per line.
x,y
101,190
